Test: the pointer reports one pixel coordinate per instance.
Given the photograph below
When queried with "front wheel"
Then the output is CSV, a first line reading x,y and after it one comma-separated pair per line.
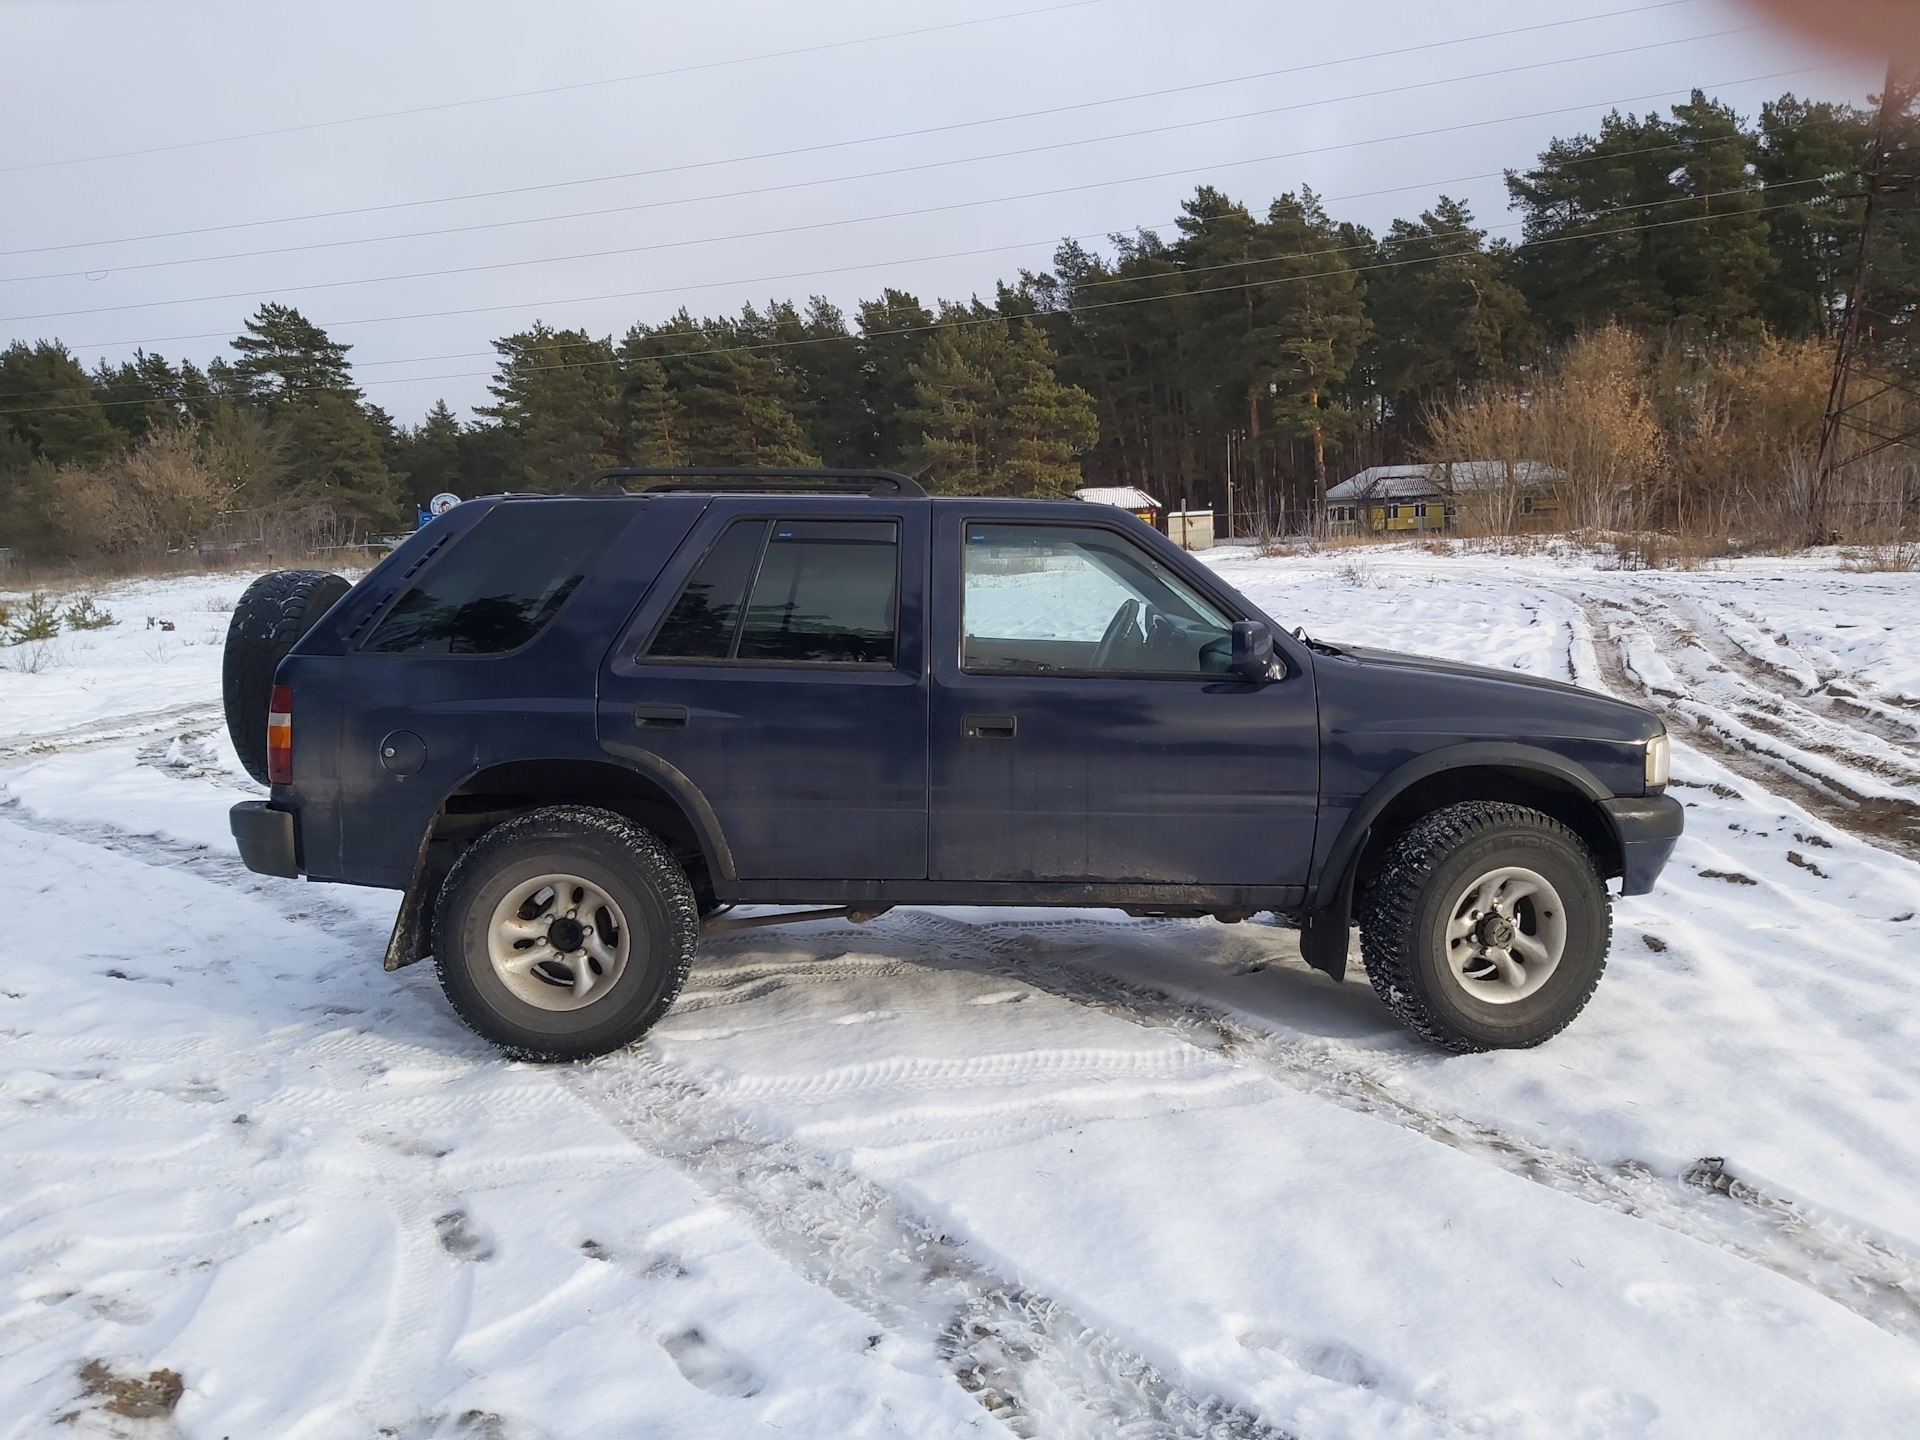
x,y
1487,928
564,933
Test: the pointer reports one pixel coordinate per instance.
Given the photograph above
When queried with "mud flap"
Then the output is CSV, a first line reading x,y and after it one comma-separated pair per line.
x,y
1324,933
412,937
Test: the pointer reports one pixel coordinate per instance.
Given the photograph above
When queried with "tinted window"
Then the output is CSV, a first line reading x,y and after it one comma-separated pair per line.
x,y
825,592
1066,598
502,582
702,621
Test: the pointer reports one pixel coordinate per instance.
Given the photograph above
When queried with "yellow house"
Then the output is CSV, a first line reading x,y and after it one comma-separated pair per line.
x,y
1387,498
1392,499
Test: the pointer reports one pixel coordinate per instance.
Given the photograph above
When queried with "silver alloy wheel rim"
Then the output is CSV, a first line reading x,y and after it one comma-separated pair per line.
x,y
1506,933
558,942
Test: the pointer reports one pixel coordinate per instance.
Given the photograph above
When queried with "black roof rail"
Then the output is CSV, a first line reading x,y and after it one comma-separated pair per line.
x,y
724,478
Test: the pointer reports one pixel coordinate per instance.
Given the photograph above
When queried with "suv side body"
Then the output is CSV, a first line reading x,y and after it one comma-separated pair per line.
x,y
913,774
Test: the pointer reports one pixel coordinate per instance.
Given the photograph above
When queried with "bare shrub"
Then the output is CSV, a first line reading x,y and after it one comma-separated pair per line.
x,y
1587,418
1678,453
1744,427
1492,426
160,496
1595,423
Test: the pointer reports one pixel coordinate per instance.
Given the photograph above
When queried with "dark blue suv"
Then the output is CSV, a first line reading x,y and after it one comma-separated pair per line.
x,y
576,730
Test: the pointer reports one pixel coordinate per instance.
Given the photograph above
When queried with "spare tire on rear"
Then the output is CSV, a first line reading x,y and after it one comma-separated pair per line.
x,y
276,611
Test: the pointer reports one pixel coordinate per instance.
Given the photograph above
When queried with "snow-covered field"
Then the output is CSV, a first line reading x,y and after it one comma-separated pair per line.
x,y
967,1172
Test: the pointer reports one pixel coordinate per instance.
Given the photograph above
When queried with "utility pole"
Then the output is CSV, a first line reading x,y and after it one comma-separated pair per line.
x,y
1229,485
1887,180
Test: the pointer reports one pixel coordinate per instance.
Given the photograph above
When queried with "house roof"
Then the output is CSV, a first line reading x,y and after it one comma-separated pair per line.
x,y
1124,496
1422,482
1386,482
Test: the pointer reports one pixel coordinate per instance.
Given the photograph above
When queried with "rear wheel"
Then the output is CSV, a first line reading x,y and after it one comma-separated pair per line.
x,y
276,610
1488,927
564,933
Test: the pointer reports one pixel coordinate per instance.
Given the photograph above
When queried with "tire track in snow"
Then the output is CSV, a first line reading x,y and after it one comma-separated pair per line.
x,y
1778,703
1706,1202
113,730
1032,1363
1889,822
292,898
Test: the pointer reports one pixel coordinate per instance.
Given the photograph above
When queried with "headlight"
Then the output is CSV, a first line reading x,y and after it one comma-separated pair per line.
x,y
1659,761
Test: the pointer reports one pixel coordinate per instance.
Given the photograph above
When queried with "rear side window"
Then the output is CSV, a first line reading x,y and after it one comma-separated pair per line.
x,y
501,583
798,591
703,620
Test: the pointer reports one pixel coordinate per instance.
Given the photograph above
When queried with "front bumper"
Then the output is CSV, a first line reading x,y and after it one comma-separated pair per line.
x,y
266,836
1648,826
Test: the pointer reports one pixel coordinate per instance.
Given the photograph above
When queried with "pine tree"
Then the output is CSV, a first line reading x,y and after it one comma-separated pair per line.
x,y
47,400
141,394
815,348
1317,326
655,421
334,444
732,396
427,457
556,395
1651,222
893,330
994,420
1444,319
1720,259
284,358
1809,160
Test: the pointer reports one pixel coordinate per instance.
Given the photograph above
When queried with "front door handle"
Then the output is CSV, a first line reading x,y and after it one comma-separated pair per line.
x,y
989,727
660,717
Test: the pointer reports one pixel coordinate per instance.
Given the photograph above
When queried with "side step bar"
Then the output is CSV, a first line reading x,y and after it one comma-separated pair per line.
x,y
721,923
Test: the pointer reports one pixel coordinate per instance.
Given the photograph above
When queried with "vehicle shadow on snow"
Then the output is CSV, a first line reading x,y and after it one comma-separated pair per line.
x,y
1252,971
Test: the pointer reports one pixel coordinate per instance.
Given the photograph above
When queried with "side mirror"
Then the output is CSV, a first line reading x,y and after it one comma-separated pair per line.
x,y
1252,650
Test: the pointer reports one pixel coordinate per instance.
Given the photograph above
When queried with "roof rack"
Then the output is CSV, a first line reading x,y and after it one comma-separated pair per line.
x,y
724,478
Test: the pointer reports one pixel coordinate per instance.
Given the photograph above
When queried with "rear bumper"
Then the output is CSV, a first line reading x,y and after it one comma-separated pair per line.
x,y
266,837
1649,826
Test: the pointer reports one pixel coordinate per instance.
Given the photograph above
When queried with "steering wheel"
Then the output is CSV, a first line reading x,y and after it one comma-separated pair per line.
x,y
1124,619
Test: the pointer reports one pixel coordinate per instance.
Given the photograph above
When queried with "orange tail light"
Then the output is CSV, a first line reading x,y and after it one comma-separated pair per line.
x,y
280,736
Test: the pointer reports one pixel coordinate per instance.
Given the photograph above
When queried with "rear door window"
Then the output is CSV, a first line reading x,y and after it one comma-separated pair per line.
x,y
501,584
821,592
706,615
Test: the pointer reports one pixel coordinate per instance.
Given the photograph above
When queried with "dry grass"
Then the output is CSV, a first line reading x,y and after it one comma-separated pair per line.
x,y
1900,555
62,578
134,1397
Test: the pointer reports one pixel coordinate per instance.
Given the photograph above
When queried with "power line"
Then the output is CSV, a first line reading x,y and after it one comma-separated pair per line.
x,y
549,90
894,215
871,174
865,140
846,269
1067,310
948,255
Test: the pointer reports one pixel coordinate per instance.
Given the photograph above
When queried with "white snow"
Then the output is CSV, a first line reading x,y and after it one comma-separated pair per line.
x,y
986,1171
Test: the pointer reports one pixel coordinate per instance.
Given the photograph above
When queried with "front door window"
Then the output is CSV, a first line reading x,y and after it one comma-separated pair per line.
x,y
1077,600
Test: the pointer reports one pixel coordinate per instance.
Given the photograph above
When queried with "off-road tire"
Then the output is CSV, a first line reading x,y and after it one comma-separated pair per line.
x,y
625,861
275,612
1405,910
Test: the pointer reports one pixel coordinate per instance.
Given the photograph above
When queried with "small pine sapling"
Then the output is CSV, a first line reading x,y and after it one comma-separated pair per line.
x,y
39,620
84,614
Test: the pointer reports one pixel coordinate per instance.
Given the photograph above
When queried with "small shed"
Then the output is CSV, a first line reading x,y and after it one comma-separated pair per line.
x,y
1123,497
1190,529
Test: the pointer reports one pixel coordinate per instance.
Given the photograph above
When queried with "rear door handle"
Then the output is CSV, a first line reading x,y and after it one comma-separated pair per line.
x,y
660,717
989,727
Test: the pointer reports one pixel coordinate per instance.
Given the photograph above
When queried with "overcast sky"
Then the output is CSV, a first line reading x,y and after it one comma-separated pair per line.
x,y
169,165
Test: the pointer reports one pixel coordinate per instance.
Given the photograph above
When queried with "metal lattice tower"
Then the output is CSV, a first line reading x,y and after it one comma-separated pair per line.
x,y
1875,356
